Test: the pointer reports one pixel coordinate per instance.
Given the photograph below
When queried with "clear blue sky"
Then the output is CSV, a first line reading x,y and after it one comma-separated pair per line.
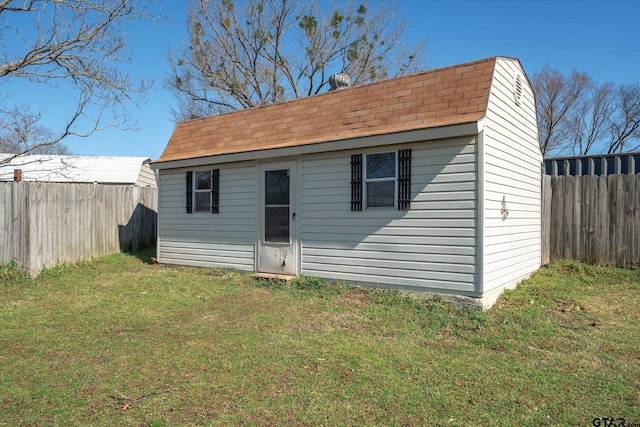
x,y
600,38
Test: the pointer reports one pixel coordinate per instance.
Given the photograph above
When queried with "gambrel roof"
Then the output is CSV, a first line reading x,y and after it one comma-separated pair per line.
x,y
441,97
80,169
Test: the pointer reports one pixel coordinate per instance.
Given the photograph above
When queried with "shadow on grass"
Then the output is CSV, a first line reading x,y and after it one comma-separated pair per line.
x,y
146,255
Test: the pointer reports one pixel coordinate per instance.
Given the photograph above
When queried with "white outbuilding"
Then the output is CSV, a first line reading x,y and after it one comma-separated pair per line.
x,y
428,182
108,170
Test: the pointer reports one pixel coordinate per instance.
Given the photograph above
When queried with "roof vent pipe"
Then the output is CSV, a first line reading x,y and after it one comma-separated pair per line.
x,y
339,81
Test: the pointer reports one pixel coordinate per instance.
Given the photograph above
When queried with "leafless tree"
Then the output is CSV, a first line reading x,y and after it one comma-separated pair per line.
x,y
624,126
556,96
20,132
608,118
579,115
73,46
273,50
589,121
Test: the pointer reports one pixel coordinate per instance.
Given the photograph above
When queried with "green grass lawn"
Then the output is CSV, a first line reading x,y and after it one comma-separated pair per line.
x,y
118,341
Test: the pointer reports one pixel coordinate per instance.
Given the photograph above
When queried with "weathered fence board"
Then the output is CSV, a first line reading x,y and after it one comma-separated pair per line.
x,y
42,224
546,214
594,219
636,220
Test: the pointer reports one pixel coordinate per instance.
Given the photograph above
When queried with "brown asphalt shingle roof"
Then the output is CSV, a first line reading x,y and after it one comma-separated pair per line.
x,y
441,97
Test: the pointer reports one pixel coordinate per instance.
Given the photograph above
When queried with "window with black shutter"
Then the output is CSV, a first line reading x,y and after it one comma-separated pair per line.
x,y
189,192
215,191
381,180
404,179
356,182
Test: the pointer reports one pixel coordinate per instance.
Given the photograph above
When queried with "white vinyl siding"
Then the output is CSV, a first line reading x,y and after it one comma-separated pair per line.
x,y
147,177
512,165
224,240
453,239
431,247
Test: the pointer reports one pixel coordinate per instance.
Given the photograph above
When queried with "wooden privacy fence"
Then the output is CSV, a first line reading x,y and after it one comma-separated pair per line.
x,y
593,219
42,224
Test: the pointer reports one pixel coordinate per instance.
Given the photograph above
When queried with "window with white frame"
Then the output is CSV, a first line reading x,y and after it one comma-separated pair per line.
x,y
203,191
380,180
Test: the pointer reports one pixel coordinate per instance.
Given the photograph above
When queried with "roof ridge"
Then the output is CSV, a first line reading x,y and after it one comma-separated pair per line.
x,y
368,84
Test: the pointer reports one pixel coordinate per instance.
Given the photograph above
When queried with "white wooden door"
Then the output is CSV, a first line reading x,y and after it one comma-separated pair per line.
x,y
276,245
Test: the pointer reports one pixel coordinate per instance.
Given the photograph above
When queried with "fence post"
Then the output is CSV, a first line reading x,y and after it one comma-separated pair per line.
x,y
545,220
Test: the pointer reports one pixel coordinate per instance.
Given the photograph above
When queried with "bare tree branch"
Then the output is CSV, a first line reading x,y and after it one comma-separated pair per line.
x,y
625,122
127,401
578,114
556,96
589,122
76,45
274,50
20,133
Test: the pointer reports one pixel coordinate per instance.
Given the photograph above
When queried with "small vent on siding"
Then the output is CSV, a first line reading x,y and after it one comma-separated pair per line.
x,y
517,88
